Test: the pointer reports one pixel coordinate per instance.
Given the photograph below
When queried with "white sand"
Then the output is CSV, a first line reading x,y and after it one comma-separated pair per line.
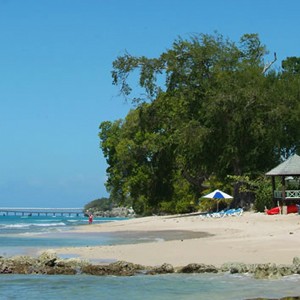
x,y
250,238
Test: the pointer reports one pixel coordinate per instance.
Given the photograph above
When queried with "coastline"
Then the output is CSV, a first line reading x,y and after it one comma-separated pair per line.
x,y
253,238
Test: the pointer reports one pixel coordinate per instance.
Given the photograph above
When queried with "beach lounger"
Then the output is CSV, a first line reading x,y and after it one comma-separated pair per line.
x,y
224,213
233,212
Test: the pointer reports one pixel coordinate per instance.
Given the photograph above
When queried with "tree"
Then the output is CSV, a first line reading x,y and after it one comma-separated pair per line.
x,y
289,103
101,204
291,65
212,107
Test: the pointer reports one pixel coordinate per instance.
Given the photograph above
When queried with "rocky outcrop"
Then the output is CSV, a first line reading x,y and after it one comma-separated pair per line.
x,y
163,269
234,268
119,268
272,271
116,212
49,263
198,268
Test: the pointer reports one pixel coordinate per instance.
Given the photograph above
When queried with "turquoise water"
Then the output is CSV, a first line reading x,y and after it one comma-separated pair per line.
x,y
215,287
19,235
23,235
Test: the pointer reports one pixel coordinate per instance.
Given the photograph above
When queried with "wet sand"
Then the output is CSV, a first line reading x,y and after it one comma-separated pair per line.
x,y
180,240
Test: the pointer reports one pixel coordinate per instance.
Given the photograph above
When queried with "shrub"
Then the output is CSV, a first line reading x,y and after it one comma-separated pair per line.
x,y
102,204
263,195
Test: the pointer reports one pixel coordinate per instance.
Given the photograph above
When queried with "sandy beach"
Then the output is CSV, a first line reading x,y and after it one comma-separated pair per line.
x,y
250,238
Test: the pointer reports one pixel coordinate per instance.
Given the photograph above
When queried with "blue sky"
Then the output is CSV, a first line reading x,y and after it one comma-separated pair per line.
x,y
56,88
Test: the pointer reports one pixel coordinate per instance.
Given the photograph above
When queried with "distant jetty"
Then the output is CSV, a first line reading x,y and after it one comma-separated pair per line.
x,y
38,211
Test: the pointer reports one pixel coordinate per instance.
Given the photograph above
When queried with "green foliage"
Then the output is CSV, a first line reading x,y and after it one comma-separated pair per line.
x,y
185,206
102,204
261,186
211,184
210,110
140,206
291,65
206,205
212,205
214,183
168,207
263,195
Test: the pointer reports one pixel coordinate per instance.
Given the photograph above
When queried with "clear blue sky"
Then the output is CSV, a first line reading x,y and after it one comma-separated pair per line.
x,y
55,79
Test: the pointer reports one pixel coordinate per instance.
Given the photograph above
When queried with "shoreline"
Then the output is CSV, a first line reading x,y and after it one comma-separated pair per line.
x,y
253,238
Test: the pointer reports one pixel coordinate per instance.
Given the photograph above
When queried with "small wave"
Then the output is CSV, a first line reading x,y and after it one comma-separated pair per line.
x,y
49,224
27,225
159,240
294,277
16,226
48,221
31,233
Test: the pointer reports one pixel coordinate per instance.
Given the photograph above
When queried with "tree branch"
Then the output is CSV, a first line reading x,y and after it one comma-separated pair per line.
x,y
268,65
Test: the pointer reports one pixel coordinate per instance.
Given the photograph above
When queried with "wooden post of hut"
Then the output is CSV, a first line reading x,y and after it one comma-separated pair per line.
x,y
284,204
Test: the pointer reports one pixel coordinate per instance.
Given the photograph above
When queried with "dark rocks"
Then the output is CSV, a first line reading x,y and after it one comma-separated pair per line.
x,y
198,268
119,268
234,268
296,261
48,259
16,265
49,263
272,271
163,269
44,264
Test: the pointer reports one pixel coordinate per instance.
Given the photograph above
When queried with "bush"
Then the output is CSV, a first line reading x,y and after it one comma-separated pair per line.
x,y
185,206
167,207
141,207
102,204
263,195
207,204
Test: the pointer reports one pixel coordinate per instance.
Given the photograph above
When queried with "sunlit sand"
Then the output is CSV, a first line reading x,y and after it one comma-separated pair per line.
x,y
250,238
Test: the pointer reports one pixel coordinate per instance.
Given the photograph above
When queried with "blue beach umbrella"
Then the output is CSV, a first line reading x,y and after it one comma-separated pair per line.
x,y
217,194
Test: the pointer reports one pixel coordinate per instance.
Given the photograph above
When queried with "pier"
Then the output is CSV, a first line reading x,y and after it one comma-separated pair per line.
x,y
37,211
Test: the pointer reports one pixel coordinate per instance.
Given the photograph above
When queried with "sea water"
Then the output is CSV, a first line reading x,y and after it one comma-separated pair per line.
x,y
196,286
20,235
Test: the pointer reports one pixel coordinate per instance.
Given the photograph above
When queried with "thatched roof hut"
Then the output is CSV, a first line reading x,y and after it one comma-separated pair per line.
x,y
289,171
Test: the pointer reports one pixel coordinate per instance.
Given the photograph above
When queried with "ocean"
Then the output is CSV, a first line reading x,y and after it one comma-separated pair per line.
x,y
23,235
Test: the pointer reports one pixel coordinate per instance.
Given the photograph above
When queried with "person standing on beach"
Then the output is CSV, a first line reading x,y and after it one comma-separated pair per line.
x,y
91,218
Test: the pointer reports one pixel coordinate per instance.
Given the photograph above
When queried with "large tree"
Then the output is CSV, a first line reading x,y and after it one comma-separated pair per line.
x,y
212,107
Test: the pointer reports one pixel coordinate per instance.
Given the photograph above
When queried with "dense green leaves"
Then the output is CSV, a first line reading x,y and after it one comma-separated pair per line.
x,y
101,204
212,108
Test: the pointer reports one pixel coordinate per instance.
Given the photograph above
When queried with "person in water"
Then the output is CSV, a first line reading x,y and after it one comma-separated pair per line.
x,y
91,218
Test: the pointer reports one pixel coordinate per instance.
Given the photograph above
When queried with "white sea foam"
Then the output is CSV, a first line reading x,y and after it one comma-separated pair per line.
x,y
27,225
294,277
159,240
49,224
20,225
31,233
